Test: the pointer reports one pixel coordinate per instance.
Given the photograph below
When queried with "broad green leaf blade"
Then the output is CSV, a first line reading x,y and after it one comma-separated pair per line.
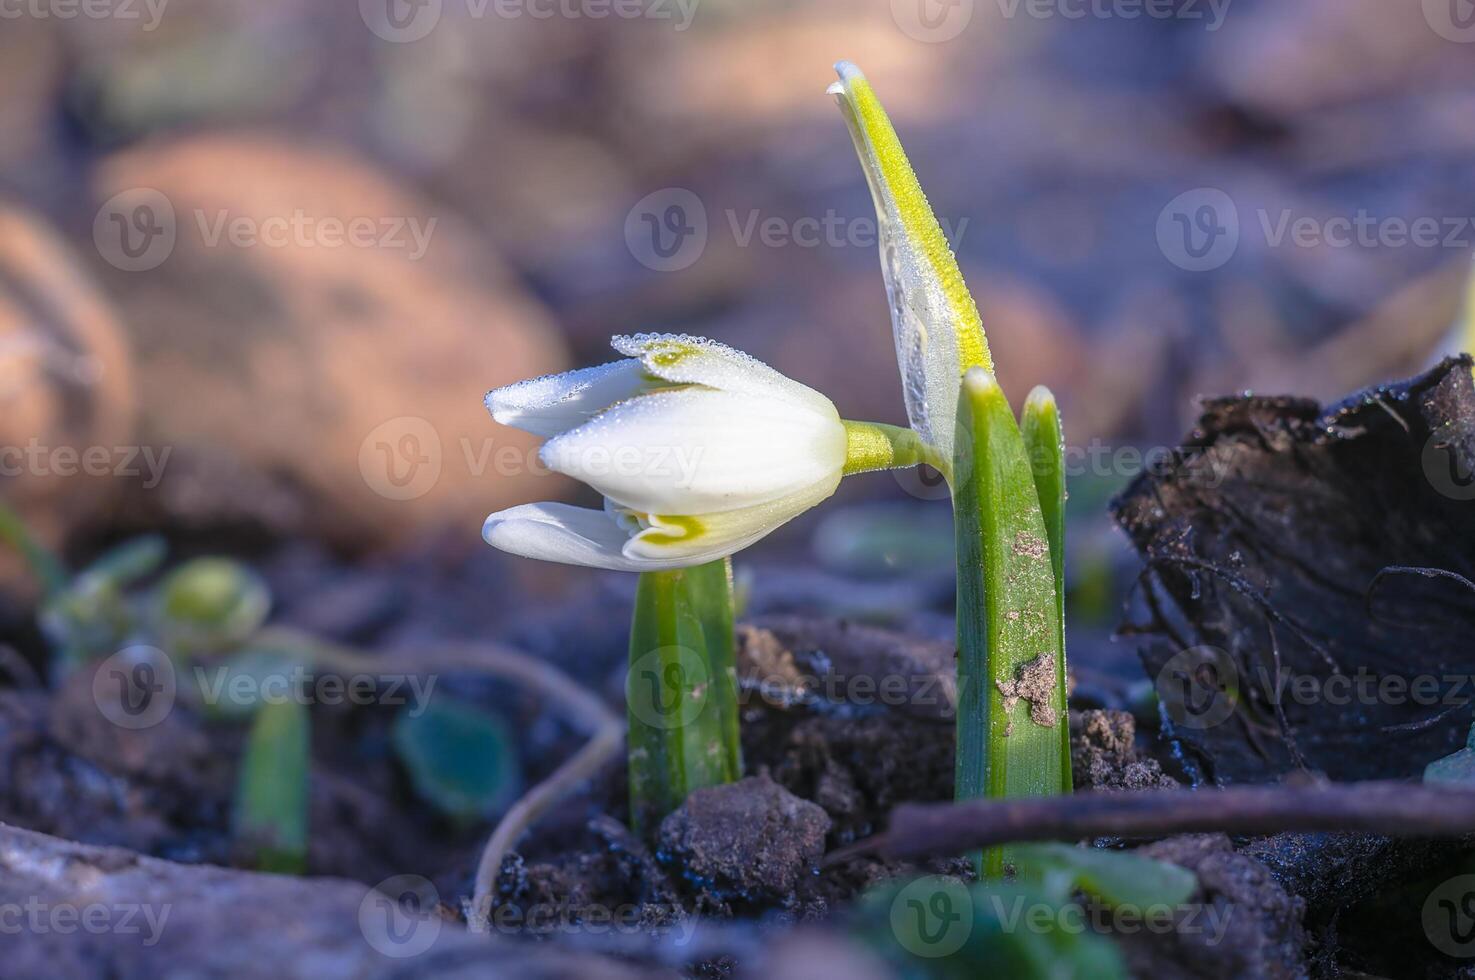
x,y
272,793
459,757
1044,440
937,928
681,690
1011,709
1118,878
939,334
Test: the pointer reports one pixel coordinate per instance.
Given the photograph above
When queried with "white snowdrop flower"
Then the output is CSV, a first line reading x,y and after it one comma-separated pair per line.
x,y
698,449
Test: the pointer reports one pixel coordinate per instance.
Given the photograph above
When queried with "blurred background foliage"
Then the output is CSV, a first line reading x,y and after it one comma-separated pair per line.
x,y
324,404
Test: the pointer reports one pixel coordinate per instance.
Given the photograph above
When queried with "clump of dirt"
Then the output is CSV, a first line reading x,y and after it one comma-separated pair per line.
x,y
1034,682
749,841
1242,923
1104,754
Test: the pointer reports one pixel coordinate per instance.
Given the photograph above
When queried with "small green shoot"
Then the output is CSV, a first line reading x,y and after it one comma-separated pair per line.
x,y
271,813
1044,440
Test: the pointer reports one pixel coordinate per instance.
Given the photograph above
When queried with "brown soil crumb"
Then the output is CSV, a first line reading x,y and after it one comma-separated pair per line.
x,y
1035,683
1104,754
1028,546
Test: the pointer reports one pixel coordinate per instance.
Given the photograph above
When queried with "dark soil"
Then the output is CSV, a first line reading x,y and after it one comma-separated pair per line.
x,y
1262,542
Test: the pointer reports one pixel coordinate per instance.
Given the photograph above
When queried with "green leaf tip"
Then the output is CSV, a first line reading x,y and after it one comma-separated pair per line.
x,y
938,331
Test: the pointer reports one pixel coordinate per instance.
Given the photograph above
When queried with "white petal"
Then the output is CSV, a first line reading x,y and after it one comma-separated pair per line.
x,y
575,536
556,403
696,451
683,359
707,537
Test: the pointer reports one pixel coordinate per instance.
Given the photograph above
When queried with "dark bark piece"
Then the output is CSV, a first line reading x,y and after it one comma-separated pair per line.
x,y
1262,541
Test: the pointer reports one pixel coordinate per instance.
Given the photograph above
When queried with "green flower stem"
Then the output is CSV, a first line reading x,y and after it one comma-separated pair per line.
x,y
1011,706
272,794
1044,439
871,446
681,691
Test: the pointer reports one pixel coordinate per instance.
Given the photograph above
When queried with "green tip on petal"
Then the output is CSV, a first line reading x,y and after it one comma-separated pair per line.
x,y
1041,399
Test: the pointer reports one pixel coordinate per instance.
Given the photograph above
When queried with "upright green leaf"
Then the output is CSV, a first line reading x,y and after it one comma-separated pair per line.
x,y
1011,706
272,793
1044,440
681,690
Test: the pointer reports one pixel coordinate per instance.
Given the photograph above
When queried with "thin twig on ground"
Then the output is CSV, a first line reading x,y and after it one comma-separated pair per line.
x,y
1395,809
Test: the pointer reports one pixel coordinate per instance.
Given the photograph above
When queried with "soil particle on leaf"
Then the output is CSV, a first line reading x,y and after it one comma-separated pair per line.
x,y
749,841
1034,682
1104,755
1026,545
1240,923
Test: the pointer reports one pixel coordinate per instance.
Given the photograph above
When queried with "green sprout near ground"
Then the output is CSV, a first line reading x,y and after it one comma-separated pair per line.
x,y
204,621
1007,482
